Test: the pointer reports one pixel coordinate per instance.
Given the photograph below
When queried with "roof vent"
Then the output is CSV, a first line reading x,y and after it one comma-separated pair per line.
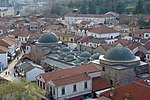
x,y
112,93
147,81
127,96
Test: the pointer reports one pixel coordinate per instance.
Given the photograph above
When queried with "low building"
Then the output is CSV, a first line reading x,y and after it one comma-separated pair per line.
x,y
69,83
120,66
3,58
29,70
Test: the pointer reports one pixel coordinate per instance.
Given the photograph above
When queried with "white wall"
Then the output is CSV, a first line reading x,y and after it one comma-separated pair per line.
x,y
105,35
10,11
31,75
1,32
3,60
69,90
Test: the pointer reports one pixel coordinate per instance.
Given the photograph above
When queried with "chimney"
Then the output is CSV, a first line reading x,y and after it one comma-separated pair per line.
x,y
112,93
127,96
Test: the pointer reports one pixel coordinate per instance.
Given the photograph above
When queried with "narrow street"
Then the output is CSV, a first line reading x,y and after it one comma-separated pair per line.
x,y
10,70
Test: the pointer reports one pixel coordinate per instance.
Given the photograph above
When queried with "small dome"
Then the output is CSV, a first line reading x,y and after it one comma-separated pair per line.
x,y
56,48
119,54
95,56
69,58
65,49
48,38
85,54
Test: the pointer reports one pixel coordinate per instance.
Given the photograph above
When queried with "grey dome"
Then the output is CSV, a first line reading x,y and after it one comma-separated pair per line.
x,y
85,54
119,54
48,38
56,48
95,56
65,49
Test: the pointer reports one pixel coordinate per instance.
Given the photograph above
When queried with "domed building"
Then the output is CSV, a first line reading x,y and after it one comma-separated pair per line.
x,y
120,66
85,55
48,39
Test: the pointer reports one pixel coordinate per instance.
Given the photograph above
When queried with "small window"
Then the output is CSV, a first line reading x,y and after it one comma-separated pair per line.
x,y
140,35
74,88
53,91
146,35
103,69
85,85
63,90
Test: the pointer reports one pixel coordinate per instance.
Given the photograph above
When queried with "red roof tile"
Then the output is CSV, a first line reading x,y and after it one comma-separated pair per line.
x,y
102,30
70,72
99,83
71,79
135,91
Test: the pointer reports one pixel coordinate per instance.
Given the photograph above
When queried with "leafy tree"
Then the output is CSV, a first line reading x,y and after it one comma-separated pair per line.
x,y
14,91
139,7
56,9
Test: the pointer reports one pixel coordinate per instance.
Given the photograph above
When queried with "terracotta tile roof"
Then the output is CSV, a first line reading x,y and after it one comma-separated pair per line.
x,y
70,72
102,30
10,41
141,31
147,46
147,17
3,49
3,43
88,15
99,83
85,39
144,41
132,46
135,91
71,79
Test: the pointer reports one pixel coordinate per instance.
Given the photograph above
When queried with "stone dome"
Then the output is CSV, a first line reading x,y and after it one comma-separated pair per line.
x,y
119,54
95,56
85,54
48,37
65,49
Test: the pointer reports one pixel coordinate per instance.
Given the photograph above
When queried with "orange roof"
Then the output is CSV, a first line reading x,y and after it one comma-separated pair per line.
x,y
99,83
3,49
88,15
141,31
135,91
71,79
102,30
70,72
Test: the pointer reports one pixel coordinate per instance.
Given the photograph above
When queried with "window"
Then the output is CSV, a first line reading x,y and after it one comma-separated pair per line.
x,y
38,83
85,85
74,88
103,69
43,85
146,35
53,91
140,35
63,90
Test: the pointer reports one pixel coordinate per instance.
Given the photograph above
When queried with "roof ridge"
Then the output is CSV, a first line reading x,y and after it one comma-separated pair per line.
x,y
141,84
83,73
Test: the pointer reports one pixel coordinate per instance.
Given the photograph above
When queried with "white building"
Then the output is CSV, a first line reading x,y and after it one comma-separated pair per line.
x,y
7,12
73,18
29,70
3,58
69,83
12,45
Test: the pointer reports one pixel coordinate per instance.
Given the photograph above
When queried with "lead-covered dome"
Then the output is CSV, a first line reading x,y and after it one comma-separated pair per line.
x,y
119,54
48,37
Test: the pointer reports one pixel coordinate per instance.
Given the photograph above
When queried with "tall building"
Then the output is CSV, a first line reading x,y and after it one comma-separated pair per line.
x,y
4,3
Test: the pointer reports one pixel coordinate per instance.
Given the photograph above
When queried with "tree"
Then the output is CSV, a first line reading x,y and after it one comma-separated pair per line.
x,y
56,9
13,91
146,7
139,7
